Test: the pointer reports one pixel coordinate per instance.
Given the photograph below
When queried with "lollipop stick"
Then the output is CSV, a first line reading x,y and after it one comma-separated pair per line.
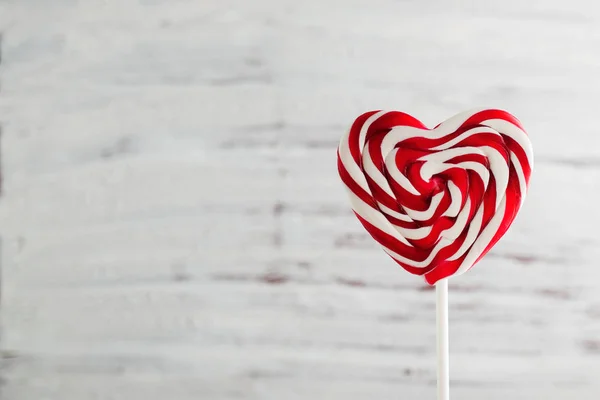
x,y
443,368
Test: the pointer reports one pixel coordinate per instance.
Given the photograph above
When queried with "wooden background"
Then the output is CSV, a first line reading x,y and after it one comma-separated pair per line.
x,y
173,226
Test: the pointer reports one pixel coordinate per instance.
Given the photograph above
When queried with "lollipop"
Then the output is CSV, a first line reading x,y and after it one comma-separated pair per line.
x,y
436,200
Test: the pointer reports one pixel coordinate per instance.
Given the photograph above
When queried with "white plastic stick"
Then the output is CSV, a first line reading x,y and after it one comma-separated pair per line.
x,y
443,368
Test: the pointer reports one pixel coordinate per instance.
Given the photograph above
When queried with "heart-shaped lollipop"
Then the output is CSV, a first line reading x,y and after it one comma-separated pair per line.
x,y
438,199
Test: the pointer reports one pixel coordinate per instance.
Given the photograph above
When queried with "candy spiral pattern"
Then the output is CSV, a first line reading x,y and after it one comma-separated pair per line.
x,y
438,199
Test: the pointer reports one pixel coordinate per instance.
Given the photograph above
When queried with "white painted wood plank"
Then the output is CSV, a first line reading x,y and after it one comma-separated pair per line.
x,y
173,225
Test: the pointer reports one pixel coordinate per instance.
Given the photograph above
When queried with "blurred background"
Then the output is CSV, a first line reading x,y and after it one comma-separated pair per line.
x,y
173,225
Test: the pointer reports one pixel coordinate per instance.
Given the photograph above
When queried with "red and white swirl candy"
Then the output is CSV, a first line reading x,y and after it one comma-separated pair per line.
x,y
438,199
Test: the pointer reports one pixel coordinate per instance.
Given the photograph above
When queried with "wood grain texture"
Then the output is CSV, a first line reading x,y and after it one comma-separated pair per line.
x,y
173,224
